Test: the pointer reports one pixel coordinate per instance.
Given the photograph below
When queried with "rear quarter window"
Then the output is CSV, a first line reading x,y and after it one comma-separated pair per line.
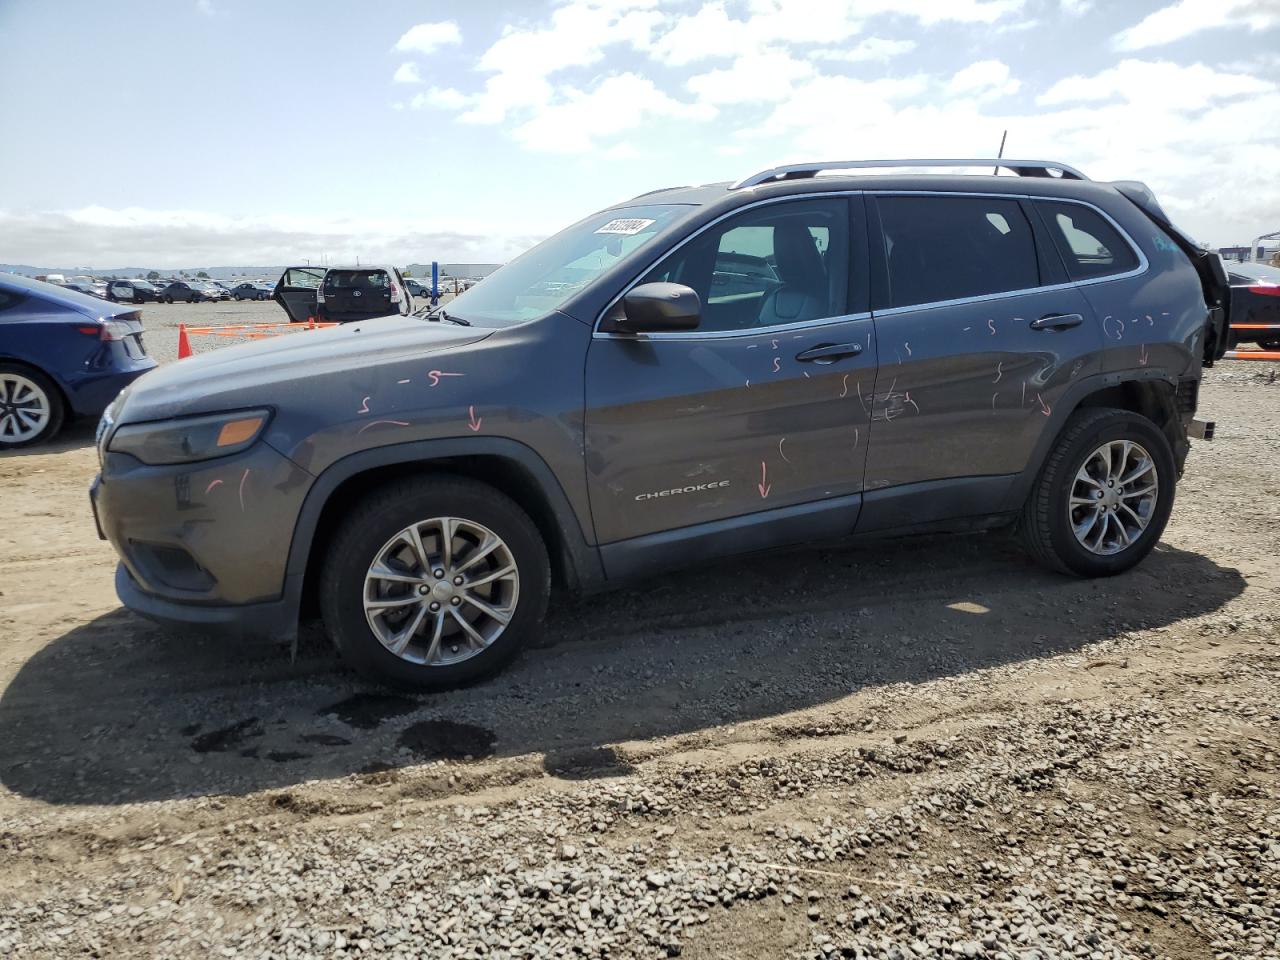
x,y
1089,245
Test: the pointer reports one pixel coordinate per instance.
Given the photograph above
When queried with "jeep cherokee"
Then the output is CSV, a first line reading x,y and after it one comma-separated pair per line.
x,y
813,352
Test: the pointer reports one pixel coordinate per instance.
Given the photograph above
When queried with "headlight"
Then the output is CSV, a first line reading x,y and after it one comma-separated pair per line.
x,y
191,438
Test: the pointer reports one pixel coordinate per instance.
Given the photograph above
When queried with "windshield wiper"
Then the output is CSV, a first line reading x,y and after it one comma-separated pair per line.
x,y
441,314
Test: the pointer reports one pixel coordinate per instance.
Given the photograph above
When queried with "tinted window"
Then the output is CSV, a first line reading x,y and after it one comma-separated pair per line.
x,y
780,263
8,299
948,248
1089,245
308,277
356,280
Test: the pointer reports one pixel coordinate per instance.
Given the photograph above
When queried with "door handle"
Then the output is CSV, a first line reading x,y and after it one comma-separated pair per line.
x,y
829,352
1057,321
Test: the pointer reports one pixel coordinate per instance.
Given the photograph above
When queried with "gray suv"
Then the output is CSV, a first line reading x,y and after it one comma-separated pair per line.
x,y
813,352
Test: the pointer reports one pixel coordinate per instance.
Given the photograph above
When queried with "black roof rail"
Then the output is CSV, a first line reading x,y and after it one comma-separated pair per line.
x,y
797,171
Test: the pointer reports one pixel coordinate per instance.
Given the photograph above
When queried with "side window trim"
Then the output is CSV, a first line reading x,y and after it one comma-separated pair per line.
x,y
854,202
880,269
1134,249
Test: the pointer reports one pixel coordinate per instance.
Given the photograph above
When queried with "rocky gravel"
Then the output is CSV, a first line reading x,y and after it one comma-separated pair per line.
x,y
919,750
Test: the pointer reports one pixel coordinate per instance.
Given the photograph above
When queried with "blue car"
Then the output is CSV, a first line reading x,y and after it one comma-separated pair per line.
x,y
62,354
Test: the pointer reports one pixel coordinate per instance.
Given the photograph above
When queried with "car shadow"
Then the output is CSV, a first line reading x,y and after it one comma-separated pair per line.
x,y
118,710
74,435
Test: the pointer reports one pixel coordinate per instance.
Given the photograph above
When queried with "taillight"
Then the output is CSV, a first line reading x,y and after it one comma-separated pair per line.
x,y
1266,289
113,330
395,292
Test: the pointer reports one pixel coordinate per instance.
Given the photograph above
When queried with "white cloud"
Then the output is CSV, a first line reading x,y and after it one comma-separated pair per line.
x,y
986,79
443,98
1074,8
206,7
616,104
814,103
1158,82
869,49
1186,17
407,73
752,78
429,37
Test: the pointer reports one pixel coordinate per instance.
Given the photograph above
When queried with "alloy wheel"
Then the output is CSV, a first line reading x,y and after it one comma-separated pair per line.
x,y
1113,497
441,591
24,408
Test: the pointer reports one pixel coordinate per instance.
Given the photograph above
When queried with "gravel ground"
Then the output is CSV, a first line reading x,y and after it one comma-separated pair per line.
x,y
919,749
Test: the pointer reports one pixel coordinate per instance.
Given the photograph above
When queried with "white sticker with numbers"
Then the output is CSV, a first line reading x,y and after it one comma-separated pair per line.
x,y
626,228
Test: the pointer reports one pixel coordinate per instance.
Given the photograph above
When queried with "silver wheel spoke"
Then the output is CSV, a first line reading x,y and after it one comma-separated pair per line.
x,y
383,572
469,630
446,543
1145,491
502,616
479,554
500,574
401,640
394,603
28,411
1142,469
1082,530
419,551
433,650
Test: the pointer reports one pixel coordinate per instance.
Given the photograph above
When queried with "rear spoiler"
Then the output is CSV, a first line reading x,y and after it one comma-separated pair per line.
x,y
1213,275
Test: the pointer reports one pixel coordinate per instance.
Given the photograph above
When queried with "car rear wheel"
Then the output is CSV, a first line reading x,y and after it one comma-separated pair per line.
x,y
434,583
1104,495
31,408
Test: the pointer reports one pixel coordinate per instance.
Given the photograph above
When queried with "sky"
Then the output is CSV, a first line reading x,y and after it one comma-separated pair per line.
x,y
174,133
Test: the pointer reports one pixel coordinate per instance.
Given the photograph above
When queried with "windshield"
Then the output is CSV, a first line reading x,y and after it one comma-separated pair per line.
x,y
541,280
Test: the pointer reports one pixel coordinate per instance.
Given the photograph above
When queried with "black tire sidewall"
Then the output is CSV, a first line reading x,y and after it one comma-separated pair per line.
x,y
365,532
57,409
1122,426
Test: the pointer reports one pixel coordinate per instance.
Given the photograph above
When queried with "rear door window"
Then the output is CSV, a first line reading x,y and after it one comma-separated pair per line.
x,y
1089,245
953,248
303,277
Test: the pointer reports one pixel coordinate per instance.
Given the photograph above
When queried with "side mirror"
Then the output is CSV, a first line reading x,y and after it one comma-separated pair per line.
x,y
655,308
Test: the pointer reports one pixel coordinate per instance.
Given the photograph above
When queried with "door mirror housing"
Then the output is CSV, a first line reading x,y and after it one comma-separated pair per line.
x,y
655,308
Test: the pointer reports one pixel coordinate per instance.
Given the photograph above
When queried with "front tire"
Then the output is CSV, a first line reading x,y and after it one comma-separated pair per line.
x,y
1104,495
434,583
31,408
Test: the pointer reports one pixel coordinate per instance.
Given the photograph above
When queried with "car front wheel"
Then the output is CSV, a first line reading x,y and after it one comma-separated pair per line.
x,y
31,408
434,583
1104,495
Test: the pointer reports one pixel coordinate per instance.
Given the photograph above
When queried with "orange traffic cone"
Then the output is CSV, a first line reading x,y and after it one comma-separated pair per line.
x,y
311,323
184,345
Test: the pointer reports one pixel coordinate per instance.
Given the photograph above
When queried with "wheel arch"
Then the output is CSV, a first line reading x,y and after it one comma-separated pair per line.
x,y
506,465
1151,394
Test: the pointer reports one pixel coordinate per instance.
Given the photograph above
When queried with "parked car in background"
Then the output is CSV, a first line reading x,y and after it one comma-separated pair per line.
x,y
132,291
79,286
216,291
99,290
417,288
184,291
251,291
342,294
62,354
1255,301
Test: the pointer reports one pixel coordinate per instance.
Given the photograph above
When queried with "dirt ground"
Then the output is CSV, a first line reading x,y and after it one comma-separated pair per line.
x,y
925,748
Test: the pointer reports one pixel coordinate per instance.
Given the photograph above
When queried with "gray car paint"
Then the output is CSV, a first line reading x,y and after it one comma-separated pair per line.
x,y
597,419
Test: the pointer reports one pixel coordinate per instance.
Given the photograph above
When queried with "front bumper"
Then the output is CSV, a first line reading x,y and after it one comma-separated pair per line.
x,y
205,544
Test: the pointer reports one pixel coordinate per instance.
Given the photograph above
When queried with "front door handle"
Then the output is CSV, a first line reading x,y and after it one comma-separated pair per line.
x,y
829,352
1057,321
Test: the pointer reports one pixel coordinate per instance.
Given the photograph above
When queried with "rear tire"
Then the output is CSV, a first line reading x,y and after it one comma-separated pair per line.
x,y
379,583
1090,512
31,407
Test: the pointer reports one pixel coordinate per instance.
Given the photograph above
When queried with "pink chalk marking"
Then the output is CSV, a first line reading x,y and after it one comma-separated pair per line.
x,y
908,346
748,383
1044,407
1024,394
435,376
1119,334
777,364
912,402
1142,356
364,407
473,422
1150,321
844,386
966,329
999,371
753,346
763,486
991,325
780,453
212,484
402,381
993,401
374,423
855,438
775,344
806,376
243,478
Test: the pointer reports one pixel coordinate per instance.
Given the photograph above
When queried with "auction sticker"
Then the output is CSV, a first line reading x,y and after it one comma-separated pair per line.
x,y
627,228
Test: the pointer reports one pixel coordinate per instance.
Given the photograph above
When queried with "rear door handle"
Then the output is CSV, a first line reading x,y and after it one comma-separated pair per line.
x,y
829,352
1057,321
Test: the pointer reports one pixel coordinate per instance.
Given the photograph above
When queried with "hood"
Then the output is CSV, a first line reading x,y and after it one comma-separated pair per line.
x,y
287,369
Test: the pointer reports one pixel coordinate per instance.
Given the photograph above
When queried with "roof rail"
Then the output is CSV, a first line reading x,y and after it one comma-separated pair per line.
x,y
799,171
